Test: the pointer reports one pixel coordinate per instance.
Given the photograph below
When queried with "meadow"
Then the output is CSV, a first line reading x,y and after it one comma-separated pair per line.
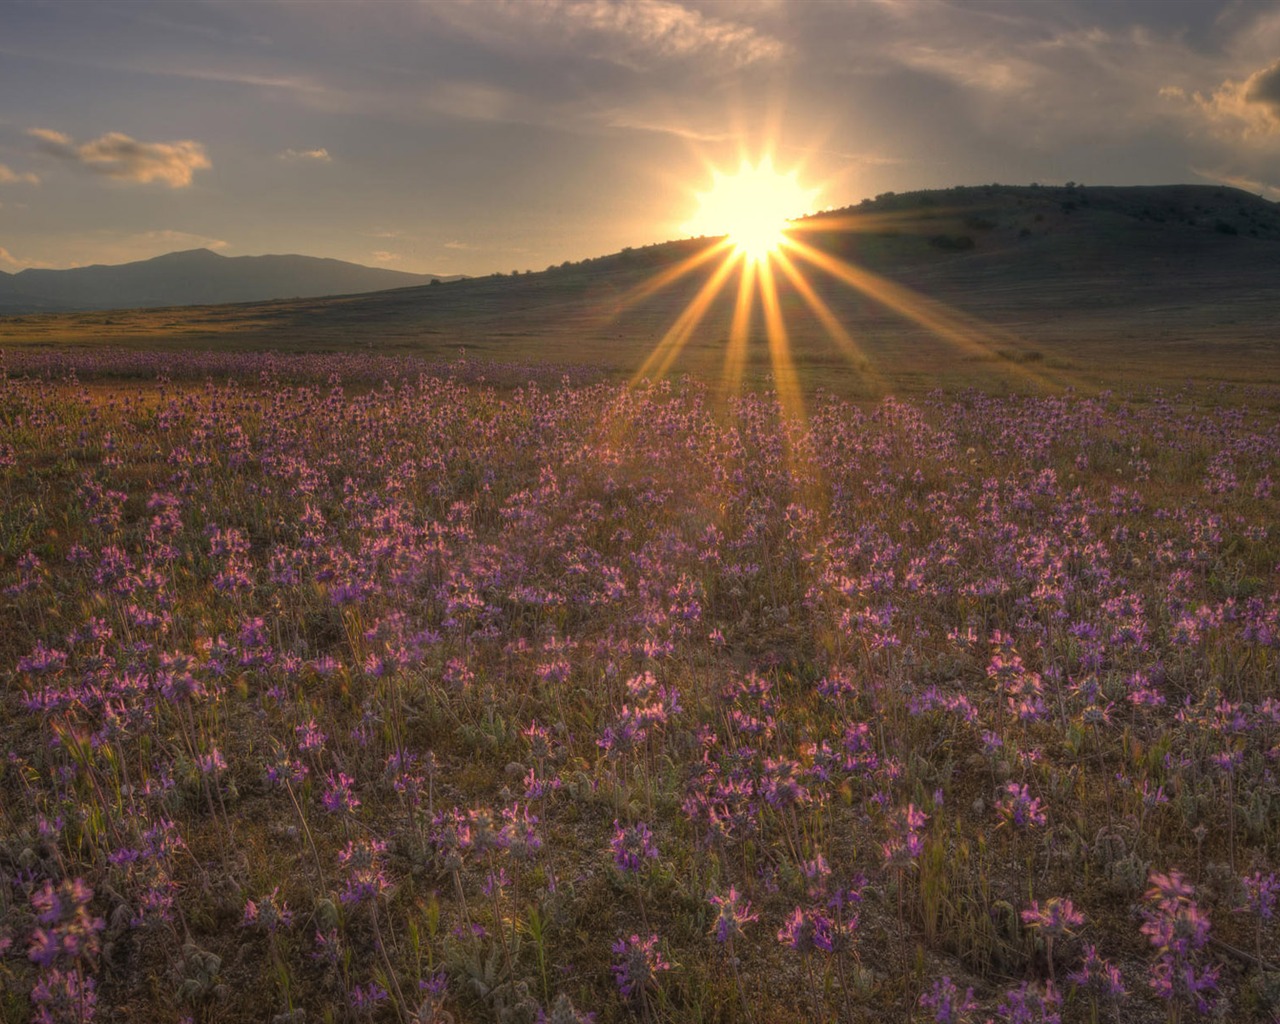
x,y
372,688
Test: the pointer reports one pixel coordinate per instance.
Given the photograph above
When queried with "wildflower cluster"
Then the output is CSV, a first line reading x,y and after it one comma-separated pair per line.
x,y
640,965
401,674
1179,932
64,946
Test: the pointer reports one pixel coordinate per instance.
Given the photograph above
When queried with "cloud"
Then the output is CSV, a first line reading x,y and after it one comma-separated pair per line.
x,y
638,122
1242,182
458,245
1263,89
50,138
1037,84
991,73
286,83
318,155
12,177
118,156
110,247
1250,107
6,257
475,101
168,240
634,33
382,256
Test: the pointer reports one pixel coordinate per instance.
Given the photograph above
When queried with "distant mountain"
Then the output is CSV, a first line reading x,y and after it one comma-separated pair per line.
x,y
192,278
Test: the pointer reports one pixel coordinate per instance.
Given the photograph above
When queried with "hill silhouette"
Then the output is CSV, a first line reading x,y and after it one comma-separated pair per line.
x,y
1069,281
190,278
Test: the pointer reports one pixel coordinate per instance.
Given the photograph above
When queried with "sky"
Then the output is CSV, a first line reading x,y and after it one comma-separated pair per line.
x,y
496,135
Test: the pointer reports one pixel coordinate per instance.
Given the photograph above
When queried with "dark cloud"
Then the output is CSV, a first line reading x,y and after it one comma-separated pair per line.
x,y
1264,87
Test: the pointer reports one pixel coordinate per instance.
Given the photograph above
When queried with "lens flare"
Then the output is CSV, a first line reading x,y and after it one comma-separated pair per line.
x,y
752,207
754,223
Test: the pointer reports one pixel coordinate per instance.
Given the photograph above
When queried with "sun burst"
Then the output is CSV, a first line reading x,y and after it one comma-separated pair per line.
x,y
752,207
756,233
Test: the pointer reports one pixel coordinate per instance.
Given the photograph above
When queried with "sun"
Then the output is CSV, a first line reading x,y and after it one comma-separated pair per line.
x,y
754,235
752,206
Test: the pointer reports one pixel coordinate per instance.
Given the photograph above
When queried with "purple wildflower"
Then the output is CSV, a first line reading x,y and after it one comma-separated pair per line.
x,y
366,879
946,1001
906,844
732,912
641,964
1031,1004
66,931
269,913
1019,808
1055,919
632,845
367,998
1179,932
1098,977
1261,892
797,932
338,797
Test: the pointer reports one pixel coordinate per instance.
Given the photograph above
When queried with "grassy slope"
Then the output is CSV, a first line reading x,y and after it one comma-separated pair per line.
x,y
1074,286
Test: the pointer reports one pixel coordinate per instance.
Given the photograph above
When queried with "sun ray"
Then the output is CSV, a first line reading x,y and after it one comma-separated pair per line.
x,y
669,347
773,259
871,222
674,273
835,330
786,380
736,356
964,332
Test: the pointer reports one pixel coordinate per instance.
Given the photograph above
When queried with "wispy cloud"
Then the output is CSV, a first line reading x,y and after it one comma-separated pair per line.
x,y
635,33
320,155
299,84
1057,78
382,256
168,240
7,258
8,176
639,122
477,101
119,156
1004,73
111,247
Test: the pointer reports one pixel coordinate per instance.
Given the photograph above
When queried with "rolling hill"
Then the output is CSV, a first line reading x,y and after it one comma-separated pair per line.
x,y
191,278
1072,282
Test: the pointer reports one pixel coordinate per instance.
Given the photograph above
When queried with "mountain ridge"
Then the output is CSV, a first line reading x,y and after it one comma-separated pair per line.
x,y
194,277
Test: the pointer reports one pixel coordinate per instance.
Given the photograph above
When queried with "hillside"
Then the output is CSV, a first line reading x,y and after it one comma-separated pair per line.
x,y
1074,282
194,277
